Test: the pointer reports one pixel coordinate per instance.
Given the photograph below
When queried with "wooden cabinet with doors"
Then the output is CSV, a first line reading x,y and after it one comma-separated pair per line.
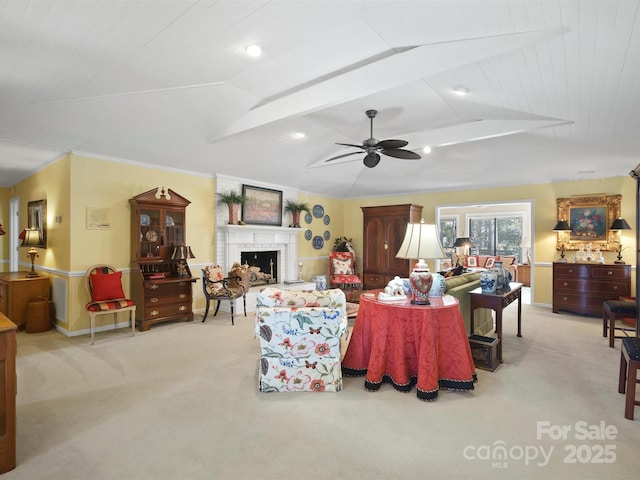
x,y
383,232
160,286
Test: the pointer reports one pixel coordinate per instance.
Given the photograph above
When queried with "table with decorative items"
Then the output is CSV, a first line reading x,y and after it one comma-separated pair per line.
x,y
496,301
410,345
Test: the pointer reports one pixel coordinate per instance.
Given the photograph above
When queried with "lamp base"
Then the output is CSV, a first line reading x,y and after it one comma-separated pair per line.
x,y
416,301
619,262
421,281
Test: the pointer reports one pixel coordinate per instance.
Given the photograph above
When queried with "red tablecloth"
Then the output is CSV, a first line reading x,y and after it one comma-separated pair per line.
x,y
407,345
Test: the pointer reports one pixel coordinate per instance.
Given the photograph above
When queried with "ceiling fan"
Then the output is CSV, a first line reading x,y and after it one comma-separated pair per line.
x,y
391,148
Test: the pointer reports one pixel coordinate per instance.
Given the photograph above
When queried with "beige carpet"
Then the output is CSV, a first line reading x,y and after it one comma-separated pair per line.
x,y
181,402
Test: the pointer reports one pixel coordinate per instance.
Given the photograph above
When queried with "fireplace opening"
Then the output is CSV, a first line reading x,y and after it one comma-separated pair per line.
x,y
263,267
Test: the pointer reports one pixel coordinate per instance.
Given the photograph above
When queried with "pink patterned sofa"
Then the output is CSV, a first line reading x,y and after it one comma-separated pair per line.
x,y
299,333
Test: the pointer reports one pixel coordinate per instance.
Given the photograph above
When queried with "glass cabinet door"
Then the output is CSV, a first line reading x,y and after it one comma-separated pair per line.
x,y
150,232
174,229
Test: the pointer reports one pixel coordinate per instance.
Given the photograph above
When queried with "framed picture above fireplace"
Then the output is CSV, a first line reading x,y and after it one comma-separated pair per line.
x,y
262,206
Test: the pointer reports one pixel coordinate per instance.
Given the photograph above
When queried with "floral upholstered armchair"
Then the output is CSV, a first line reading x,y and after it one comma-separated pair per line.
x,y
299,333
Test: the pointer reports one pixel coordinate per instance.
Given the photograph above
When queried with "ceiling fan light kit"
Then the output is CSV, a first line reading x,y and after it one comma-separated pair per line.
x,y
391,148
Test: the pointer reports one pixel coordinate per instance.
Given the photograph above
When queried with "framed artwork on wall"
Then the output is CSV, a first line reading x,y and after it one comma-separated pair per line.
x,y
262,206
589,217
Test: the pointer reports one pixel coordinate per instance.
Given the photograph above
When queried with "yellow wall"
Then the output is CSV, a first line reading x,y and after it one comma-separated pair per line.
x,y
544,211
315,262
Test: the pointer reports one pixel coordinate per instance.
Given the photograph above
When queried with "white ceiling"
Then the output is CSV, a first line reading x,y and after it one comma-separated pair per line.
x,y
553,89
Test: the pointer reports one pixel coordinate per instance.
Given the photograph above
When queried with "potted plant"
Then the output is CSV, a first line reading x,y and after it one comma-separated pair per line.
x,y
295,208
233,200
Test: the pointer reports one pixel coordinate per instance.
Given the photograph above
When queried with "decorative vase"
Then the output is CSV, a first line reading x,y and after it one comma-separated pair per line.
x,y
234,213
295,217
488,281
421,281
437,288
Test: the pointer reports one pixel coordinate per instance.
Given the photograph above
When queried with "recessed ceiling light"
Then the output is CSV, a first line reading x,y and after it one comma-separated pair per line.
x,y
300,134
460,90
427,149
253,50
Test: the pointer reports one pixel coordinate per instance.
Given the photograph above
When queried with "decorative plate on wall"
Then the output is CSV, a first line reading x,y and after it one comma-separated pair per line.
x,y
318,242
308,235
327,235
308,218
327,220
318,211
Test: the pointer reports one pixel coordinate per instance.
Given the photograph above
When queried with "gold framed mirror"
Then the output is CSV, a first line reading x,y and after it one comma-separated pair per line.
x,y
37,218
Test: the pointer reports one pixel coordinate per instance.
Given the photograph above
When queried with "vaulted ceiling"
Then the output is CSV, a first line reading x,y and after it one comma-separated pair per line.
x,y
552,89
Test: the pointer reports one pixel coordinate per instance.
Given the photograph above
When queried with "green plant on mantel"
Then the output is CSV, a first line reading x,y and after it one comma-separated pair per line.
x,y
295,208
231,198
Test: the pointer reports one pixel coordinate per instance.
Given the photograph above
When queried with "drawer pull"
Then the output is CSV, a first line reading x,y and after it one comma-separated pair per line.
x,y
615,287
154,286
182,308
154,313
565,284
609,272
153,299
565,299
182,284
182,296
571,270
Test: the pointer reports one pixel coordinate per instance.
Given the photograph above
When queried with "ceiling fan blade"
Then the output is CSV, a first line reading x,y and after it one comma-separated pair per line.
x,y
392,144
342,156
399,153
351,145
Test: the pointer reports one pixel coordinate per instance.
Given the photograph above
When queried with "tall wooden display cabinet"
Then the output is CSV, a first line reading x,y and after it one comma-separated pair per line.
x,y
383,232
160,286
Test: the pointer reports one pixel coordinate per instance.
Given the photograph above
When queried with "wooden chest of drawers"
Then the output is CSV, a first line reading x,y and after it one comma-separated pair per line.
x,y
163,300
582,288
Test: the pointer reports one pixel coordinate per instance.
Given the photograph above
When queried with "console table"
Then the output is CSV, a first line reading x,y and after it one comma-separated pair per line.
x,y
406,345
497,302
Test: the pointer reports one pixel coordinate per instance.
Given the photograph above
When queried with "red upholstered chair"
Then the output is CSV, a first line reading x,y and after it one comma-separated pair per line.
x,y
342,271
104,285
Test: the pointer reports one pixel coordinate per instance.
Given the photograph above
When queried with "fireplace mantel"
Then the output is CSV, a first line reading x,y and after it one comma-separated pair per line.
x,y
235,239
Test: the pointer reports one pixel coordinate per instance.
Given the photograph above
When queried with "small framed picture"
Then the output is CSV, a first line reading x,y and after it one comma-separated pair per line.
x,y
472,262
490,262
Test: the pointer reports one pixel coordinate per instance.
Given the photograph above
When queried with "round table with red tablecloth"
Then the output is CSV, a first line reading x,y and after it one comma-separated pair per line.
x,y
410,345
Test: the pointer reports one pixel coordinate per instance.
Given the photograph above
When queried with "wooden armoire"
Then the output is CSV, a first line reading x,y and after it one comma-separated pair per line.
x,y
383,232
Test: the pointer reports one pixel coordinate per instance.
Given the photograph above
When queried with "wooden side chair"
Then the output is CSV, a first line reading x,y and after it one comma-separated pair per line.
x,y
623,310
217,287
104,285
629,365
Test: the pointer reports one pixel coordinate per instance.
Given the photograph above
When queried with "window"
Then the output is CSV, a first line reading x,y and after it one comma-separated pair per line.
x,y
448,231
497,235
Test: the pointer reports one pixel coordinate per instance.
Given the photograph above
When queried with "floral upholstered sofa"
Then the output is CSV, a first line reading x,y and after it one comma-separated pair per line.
x,y
299,332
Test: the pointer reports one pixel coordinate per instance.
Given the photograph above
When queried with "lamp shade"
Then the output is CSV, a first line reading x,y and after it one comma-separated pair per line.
x,y
463,242
562,226
182,253
32,238
420,241
620,224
